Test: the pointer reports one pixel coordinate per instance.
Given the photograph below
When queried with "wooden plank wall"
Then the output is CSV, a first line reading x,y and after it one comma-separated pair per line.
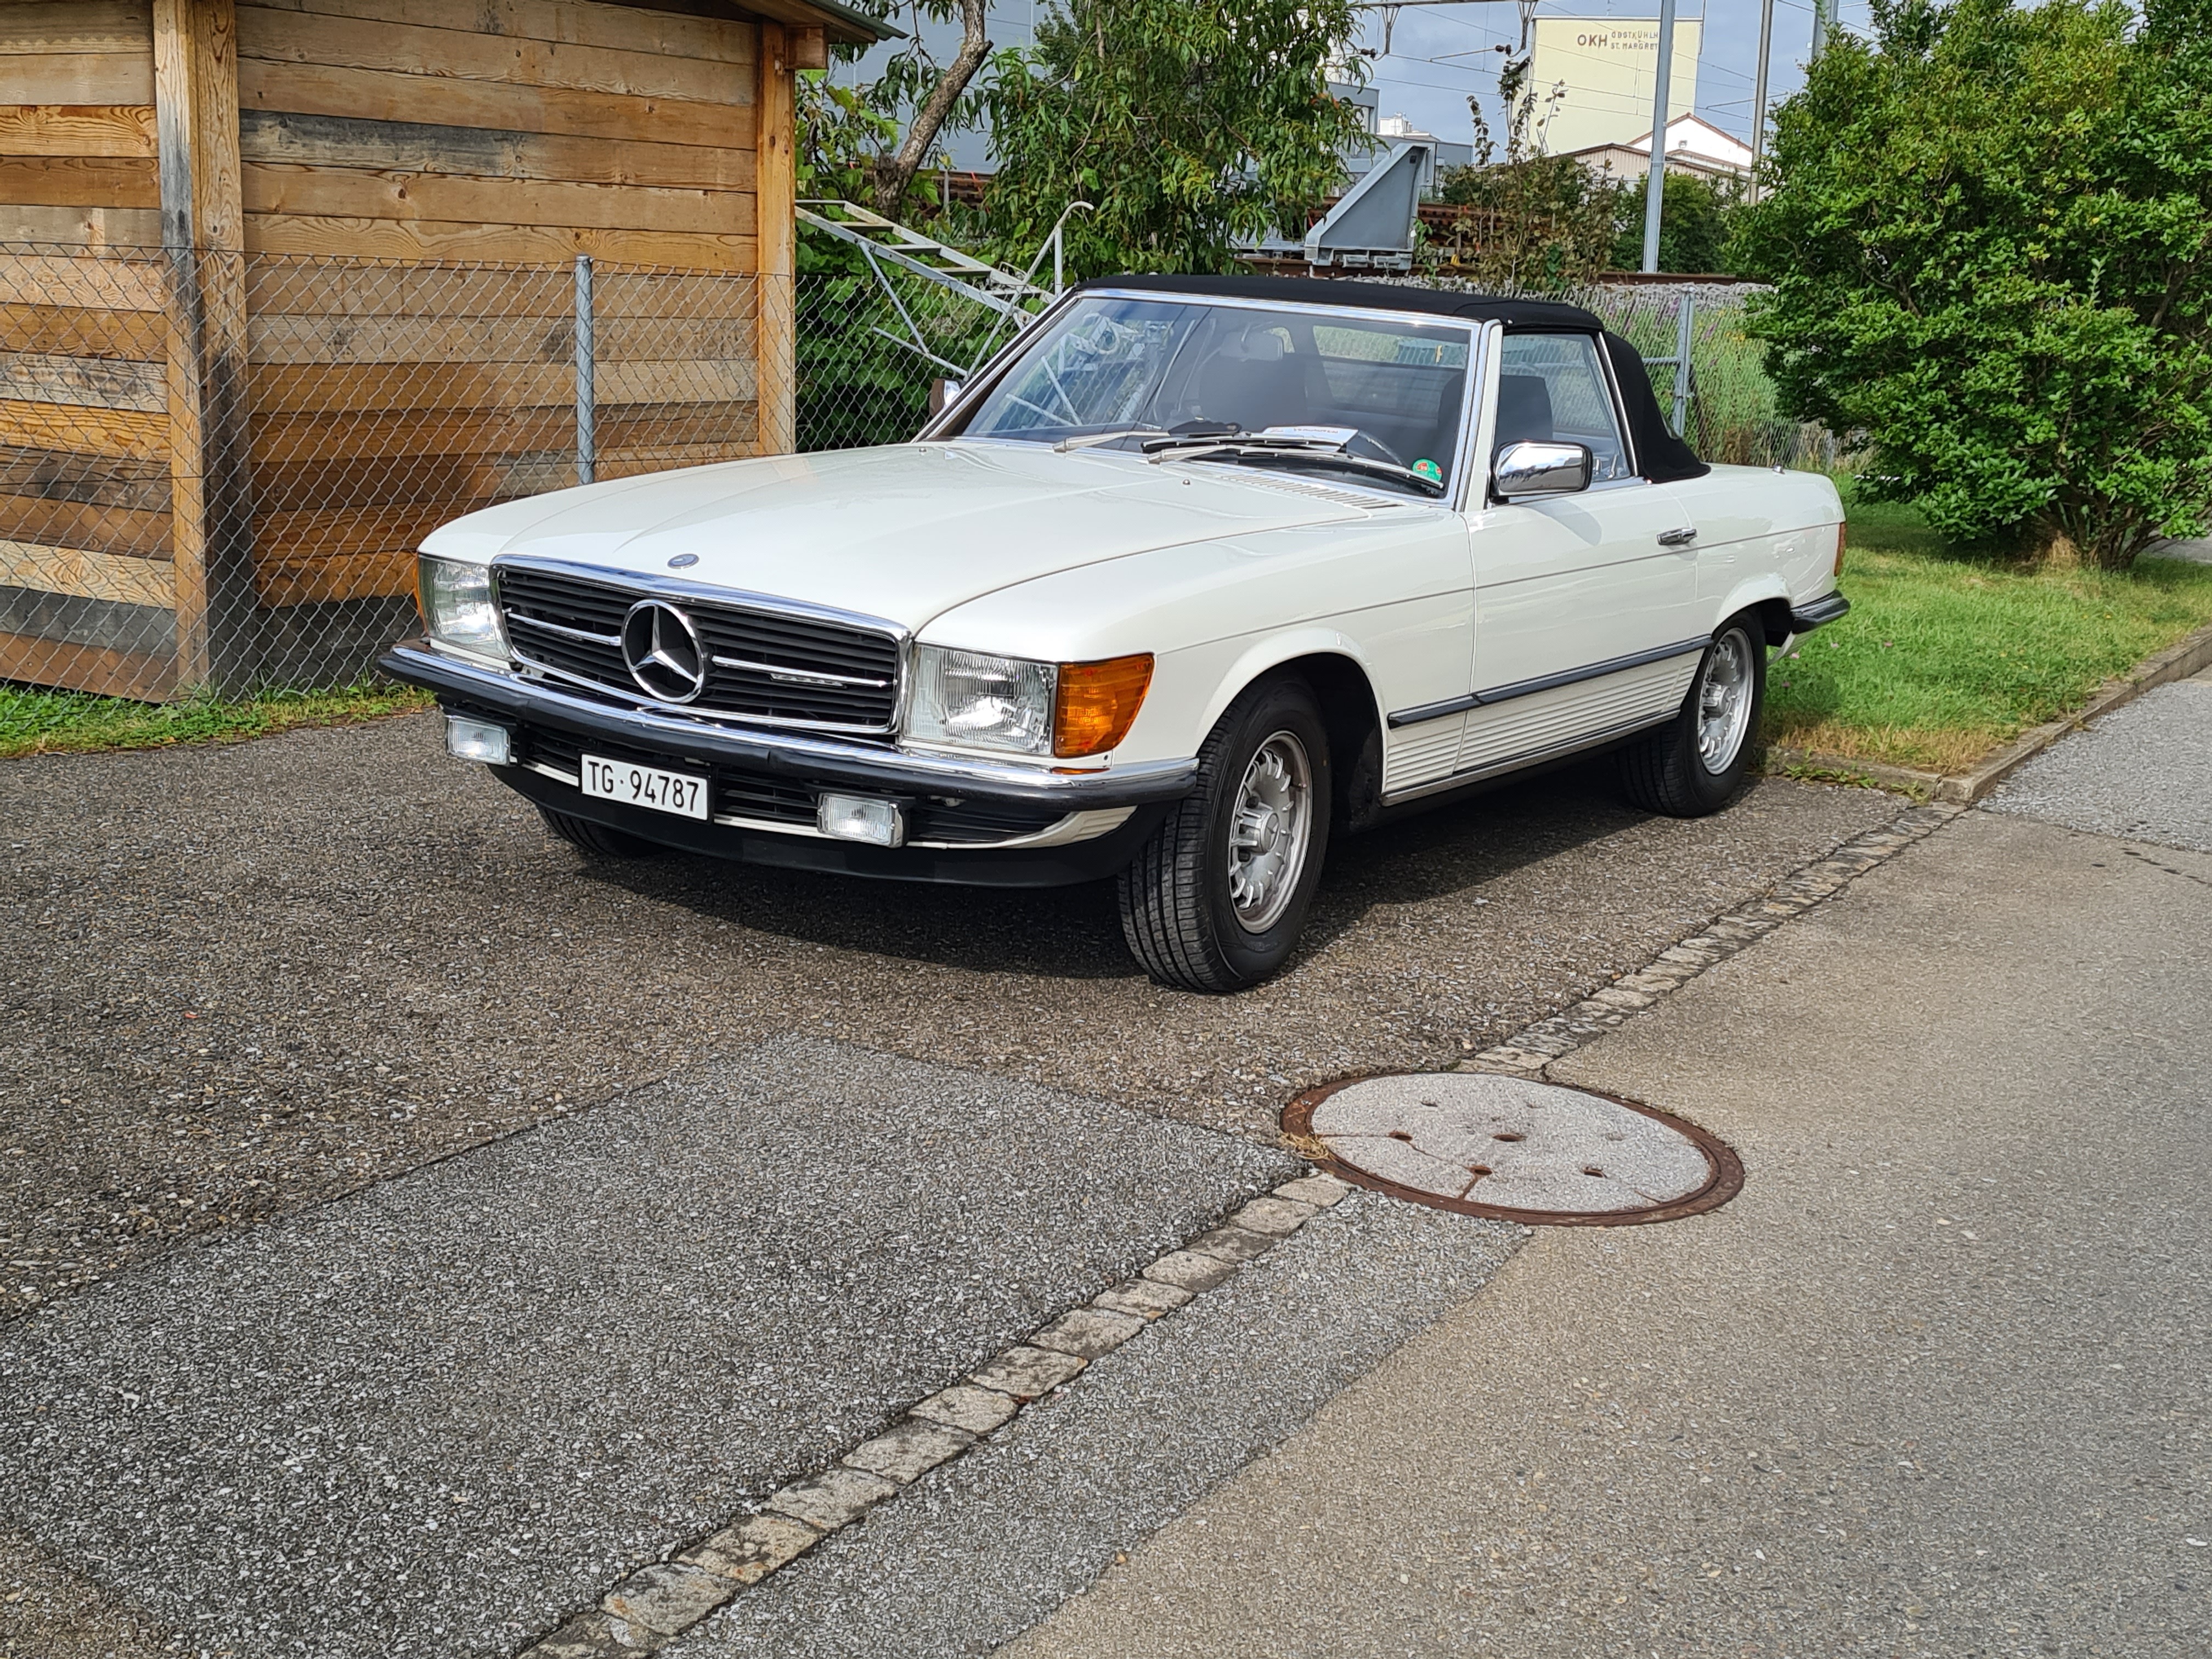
x,y
374,136
86,584
509,130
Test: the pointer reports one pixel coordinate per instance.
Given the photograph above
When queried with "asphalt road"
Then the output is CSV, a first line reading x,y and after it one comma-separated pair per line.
x,y
2148,775
239,981
1937,1382
432,1419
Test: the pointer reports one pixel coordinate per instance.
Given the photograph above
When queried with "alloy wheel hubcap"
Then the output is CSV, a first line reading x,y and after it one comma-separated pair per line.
x,y
1270,825
1725,701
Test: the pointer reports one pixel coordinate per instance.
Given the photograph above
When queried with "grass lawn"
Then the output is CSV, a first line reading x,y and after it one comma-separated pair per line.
x,y
35,722
1944,656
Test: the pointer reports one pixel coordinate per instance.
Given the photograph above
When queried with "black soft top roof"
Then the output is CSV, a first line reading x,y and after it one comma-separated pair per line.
x,y
1370,296
1660,455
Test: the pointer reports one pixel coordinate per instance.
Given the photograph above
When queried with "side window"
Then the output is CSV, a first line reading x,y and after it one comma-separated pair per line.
x,y
1551,388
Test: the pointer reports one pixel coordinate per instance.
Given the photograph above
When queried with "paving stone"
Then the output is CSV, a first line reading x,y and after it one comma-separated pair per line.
x,y
1613,996
1147,1299
754,1548
830,1499
596,1636
910,1451
667,1596
1088,1333
1232,1243
1026,1372
1321,1189
1274,1215
1189,1271
963,1406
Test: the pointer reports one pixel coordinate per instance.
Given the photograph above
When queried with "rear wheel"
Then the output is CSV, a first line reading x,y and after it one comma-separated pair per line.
x,y
1695,765
1215,899
597,839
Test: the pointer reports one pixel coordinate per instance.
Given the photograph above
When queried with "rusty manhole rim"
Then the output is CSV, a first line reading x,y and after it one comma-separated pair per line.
x,y
1723,1183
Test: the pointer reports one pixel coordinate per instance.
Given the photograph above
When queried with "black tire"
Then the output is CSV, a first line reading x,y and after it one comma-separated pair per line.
x,y
597,839
1179,913
1666,770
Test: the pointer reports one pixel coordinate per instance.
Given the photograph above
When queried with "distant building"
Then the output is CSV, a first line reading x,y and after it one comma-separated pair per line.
x,y
1694,145
1606,70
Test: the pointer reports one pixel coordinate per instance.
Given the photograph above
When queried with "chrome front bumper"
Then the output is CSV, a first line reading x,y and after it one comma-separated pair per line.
x,y
875,768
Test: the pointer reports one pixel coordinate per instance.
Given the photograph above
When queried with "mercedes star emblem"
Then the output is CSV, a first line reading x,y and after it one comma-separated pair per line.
x,y
663,651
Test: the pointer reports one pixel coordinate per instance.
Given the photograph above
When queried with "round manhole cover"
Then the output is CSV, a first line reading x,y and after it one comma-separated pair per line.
x,y
1517,1150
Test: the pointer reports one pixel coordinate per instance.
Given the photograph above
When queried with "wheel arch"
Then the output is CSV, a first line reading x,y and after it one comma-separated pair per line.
x,y
1351,713
1765,597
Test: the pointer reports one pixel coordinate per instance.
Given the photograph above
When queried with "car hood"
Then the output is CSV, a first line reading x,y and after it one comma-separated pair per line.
x,y
904,532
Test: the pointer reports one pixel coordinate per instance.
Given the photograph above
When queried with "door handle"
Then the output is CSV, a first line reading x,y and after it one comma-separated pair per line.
x,y
1681,537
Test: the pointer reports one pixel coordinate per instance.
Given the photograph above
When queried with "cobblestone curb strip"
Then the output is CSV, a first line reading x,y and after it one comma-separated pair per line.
x,y
667,1598
1530,1051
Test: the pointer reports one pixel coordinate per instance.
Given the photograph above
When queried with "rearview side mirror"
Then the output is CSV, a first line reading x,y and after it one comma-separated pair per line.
x,y
1529,468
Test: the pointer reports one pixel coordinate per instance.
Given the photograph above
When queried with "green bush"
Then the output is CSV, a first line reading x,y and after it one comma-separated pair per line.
x,y
1989,233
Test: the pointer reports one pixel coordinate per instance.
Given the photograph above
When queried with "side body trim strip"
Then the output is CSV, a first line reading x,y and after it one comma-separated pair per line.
x,y
1430,711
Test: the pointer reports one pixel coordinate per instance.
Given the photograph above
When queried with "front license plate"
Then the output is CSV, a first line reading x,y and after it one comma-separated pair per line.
x,y
645,786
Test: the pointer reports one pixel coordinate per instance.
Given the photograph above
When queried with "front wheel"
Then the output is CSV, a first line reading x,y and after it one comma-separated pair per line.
x,y
1215,899
1695,765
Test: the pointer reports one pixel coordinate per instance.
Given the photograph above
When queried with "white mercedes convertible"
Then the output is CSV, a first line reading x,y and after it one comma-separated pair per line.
x,y
1197,577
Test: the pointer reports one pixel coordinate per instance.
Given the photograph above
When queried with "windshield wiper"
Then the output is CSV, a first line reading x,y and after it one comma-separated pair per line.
x,y
1264,450
1110,435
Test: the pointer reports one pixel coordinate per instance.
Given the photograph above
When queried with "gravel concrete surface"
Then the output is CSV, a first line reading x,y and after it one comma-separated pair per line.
x,y
240,980
986,1545
435,1417
1938,1382
2148,775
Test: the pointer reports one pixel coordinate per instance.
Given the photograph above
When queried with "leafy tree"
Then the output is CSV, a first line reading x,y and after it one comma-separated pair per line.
x,y
1188,124
1989,232
1696,220
1543,222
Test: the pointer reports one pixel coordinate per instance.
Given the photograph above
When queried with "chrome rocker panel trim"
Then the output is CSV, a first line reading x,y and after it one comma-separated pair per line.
x,y
808,757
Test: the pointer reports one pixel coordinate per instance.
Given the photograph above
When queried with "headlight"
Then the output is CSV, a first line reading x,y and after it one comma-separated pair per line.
x,y
1067,710
981,702
457,608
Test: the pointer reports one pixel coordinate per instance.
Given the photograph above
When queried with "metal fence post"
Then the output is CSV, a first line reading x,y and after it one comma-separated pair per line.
x,y
1684,319
587,462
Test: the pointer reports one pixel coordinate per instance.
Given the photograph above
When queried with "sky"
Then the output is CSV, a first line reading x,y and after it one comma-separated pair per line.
x,y
1441,54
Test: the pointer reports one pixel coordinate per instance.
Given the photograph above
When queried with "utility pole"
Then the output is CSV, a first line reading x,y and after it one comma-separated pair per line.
x,y
1758,92
1819,30
1655,181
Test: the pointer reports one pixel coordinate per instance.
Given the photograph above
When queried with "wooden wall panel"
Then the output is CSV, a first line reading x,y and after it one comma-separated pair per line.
x,y
464,53
382,95
411,147
76,129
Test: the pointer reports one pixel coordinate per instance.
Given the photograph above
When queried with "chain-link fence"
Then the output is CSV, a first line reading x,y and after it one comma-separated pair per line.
x,y
216,469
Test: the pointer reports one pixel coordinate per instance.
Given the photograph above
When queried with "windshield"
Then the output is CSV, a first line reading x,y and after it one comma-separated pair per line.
x,y
1130,373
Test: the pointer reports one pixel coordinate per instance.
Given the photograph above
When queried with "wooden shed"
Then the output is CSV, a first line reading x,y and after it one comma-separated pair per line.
x,y
284,284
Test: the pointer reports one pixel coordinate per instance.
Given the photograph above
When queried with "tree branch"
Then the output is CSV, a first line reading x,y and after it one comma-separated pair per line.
x,y
895,173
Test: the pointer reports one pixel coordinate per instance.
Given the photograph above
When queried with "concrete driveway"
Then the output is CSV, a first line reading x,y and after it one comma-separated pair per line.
x,y
411,1230
1938,1382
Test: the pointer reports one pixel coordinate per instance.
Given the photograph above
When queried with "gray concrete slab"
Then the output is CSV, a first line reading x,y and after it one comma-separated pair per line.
x,y
984,1547
433,1418
2144,772
238,980
1938,1382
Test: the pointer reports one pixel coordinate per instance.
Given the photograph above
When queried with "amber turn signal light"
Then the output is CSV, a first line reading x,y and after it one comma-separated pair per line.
x,y
1097,702
1842,534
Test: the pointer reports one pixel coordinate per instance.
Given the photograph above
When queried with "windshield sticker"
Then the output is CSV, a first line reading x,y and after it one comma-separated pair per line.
x,y
1429,470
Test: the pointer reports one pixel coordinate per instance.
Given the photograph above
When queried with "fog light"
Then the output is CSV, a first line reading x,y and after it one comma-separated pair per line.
x,y
855,817
470,739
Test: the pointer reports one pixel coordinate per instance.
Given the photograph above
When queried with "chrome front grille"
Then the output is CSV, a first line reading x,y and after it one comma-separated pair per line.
x,y
782,667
